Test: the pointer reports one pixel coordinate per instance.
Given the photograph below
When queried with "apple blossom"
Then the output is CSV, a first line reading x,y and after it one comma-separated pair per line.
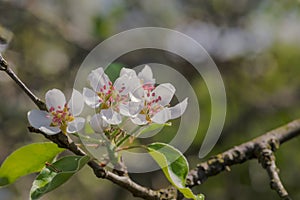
x,y
107,97
151,104
61,116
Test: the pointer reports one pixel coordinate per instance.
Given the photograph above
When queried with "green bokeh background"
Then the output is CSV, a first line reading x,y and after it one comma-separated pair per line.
x,y
255,44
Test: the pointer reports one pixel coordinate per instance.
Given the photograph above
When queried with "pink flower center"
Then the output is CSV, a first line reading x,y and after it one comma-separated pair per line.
x,y
61,117
110,96
151,105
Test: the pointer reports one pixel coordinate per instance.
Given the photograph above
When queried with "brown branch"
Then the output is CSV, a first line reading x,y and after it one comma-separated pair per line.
x,y
267,159
244,152
4,67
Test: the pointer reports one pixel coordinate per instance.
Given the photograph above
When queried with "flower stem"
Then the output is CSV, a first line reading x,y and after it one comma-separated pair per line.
x,y
127,136
130,147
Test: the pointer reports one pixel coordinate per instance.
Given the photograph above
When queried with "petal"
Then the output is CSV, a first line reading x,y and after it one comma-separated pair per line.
x,y
38,118
127,83
41,120
127,71
98,79
76,103
135,107
179,109
50,130
55,98
131,109
139,120
146,75
97,123
162,116
111,117
91,98
124,109
76,125
166,91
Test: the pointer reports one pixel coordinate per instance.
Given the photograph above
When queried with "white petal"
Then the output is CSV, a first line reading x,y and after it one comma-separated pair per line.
x,y
38,118
127,71
127,83
146,75
50,130
179,109
135,107
91,98
166,91
124,109
55,98
76,103
98,79
41,120
97,123
131,109
76,125
139,120
111,117
162,116
138,92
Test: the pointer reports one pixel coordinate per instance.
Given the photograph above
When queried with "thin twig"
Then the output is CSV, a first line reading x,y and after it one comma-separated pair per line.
x,y
267,159
5,67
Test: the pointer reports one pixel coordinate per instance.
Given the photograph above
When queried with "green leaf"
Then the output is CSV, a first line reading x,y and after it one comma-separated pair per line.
x,y
56,174
26,160
113,71
174,165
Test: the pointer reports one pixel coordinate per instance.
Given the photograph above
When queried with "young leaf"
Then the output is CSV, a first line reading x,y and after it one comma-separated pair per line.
x,y
174,165
56,174
26,160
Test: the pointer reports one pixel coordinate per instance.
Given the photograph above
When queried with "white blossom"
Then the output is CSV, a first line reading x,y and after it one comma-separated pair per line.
x,y
61,116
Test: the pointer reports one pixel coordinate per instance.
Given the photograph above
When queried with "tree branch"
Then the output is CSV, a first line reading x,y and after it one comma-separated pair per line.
x,y
244,152
267,159
4,67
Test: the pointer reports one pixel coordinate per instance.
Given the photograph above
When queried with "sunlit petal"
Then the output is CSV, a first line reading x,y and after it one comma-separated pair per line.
x,y
146,75
164,92
55,98
127,71
162,116
127,82
98,79
179,109
76,103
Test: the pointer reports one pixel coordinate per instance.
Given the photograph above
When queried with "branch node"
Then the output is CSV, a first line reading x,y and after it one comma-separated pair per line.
x,y
3,64
267,159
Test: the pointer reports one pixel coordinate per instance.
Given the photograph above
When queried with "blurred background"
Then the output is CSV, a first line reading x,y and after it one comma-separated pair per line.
x,y
255,44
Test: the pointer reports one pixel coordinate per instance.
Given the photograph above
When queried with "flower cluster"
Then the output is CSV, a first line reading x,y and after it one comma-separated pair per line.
x,y
132,96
